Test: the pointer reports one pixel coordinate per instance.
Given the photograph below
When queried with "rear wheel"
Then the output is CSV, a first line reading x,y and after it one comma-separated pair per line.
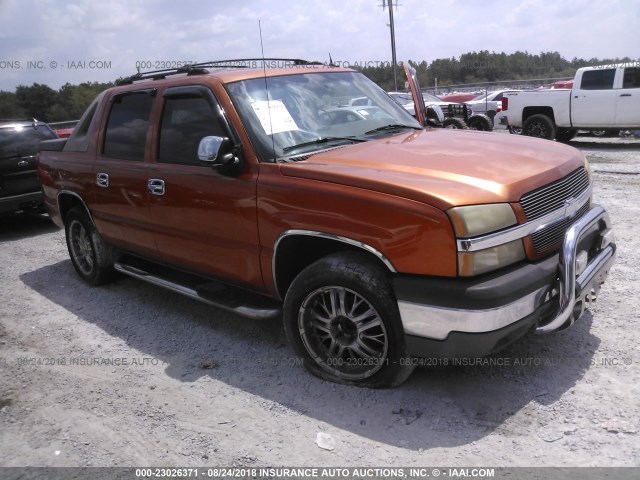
x,y
540,126
480,122
342,320
90,256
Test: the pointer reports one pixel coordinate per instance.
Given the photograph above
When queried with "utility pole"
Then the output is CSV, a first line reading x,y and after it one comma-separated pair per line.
x,y
393,39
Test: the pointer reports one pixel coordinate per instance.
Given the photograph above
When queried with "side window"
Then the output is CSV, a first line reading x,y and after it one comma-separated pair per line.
x,y
498,97
598,79
127,126
185,121
631,78
79,141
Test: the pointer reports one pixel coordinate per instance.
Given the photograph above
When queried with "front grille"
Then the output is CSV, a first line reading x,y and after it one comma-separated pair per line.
x,y
551,197
538,203
456,110
553,235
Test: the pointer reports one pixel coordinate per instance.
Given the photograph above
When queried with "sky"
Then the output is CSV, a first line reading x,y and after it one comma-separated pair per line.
x,y
54,42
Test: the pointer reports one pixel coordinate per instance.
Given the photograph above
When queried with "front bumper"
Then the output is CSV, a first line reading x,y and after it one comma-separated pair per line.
x,y
471,317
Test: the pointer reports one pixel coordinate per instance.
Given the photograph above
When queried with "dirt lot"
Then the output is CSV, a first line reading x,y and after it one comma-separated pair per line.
x,y
132,375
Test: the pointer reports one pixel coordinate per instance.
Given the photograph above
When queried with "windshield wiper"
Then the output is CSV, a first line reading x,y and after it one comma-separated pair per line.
x,y
322,140
393,126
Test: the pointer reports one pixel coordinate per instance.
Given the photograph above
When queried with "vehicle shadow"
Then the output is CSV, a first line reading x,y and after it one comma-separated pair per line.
x,y
586,144
443,407
17,227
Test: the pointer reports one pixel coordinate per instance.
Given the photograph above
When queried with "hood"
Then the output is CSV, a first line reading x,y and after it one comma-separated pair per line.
x,y
444,167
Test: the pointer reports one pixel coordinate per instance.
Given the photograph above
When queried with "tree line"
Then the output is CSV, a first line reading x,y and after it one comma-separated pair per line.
x,y
485,66
69,102
46,104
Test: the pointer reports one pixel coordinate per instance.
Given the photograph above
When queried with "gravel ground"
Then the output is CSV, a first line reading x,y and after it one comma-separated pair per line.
x,y
132,375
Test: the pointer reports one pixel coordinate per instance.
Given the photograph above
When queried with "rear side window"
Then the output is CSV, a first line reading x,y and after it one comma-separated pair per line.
x,y
598,79
126,133
79,140
185,121
631,78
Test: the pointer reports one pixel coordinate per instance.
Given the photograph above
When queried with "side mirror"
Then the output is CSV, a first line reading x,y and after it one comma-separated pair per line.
x,y
217,151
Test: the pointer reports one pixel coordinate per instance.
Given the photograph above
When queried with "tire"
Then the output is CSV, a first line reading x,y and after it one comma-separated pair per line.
x,y
540,126
90,256
342,320
480,122
565,134
454,123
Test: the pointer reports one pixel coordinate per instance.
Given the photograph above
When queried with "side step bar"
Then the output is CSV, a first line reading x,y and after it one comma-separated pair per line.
x,y
217,294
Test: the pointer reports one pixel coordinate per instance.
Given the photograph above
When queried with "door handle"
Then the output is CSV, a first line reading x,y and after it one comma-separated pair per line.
x,y
625,94
102,179
155,186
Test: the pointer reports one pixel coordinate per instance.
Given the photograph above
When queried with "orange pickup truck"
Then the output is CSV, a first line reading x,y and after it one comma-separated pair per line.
x,y
378,241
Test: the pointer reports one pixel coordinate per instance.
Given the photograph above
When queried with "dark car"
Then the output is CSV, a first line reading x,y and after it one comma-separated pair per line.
x,y
19,186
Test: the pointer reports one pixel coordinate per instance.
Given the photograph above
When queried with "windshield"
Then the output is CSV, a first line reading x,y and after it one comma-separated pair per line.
x,y
22,140
430,98
312,111
402,98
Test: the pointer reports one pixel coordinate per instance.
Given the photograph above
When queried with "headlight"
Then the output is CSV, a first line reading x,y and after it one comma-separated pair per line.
x,y
439,114
476,220
480,219
475,263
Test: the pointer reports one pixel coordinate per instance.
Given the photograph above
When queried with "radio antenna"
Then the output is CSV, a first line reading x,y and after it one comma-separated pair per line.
x,y
266,87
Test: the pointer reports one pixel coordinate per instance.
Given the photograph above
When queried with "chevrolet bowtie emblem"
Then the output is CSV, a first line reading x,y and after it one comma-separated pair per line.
x,y
569,208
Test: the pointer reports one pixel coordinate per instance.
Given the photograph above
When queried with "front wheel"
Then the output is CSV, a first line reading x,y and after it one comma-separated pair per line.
x,y
565,134
90,256
342,320
540,126
453,122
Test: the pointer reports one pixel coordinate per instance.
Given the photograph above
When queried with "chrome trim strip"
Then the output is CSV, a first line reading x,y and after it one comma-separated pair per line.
x,y
329,236
525,229
68,192
438,322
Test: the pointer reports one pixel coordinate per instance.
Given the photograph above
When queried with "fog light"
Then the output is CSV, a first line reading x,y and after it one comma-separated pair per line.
x,y
581,262
606,238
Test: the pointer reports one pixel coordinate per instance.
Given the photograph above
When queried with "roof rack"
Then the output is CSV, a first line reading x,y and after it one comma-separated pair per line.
x,y
201,68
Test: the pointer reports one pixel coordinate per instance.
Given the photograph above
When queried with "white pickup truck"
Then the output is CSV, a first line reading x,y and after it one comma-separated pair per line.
x,y
602,97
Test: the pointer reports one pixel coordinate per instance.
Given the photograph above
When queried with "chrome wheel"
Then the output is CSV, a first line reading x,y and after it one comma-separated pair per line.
x,y
81,247
343,333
